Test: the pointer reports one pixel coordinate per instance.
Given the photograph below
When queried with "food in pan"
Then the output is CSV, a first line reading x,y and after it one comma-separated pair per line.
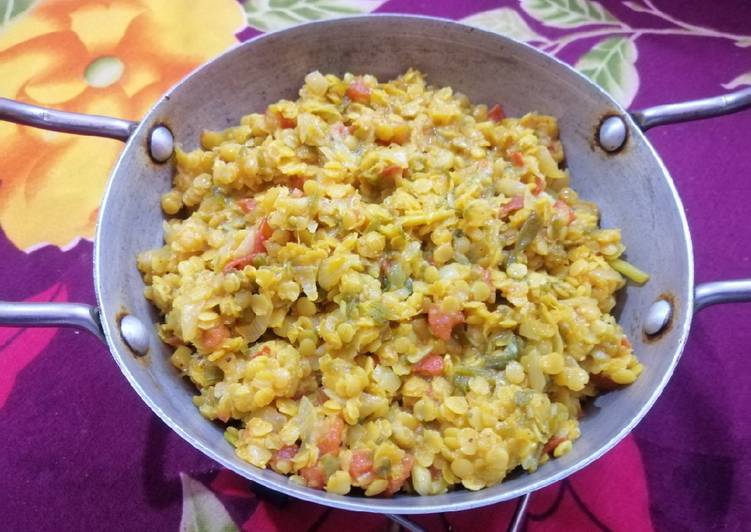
x,y
383,287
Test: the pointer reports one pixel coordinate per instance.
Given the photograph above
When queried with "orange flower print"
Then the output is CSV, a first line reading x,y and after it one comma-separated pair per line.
x,y
108,57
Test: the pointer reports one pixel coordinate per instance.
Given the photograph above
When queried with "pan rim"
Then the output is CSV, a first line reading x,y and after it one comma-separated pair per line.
x,y
405,504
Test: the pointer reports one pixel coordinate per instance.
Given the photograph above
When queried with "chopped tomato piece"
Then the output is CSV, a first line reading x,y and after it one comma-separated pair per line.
x,y
264,229
358,92
263,233
517,159
212,338
442,323
565,209
553,442
496,113
516,203
297,182
429,366
539,186
313,476
341,130
287,123
174,341
264,351
284,454
331,438
392,172
239,264
362,463
247,205
401,474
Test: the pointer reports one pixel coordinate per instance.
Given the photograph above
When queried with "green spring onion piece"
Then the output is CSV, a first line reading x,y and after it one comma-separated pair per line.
x,y
396,276
509,353
231,435
629,271
461,382
330,464
527,234
469,371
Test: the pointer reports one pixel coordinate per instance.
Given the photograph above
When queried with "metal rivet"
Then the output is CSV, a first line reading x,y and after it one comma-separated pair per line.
x,y
658,316
161,144
135,334
612,133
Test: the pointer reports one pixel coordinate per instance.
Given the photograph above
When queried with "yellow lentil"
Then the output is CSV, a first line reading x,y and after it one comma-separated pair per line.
x,y
342,275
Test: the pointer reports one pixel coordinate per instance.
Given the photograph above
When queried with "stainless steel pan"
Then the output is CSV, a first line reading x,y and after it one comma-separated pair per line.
x,y
610,159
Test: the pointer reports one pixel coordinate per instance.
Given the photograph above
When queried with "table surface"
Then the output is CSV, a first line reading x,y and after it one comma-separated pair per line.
x,y
78,448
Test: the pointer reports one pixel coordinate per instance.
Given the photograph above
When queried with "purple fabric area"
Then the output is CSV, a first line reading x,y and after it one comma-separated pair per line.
x,y
79,450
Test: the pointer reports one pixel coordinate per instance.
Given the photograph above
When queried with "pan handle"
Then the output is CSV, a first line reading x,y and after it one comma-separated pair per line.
x,y
674,113
65,122
707,294
78,315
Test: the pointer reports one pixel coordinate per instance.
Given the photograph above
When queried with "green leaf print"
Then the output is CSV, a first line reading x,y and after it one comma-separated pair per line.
x,y
505,21
611,64
270,15
568,13
10,9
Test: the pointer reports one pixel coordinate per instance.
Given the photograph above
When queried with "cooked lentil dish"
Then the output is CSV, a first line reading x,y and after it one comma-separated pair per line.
x,y
383,287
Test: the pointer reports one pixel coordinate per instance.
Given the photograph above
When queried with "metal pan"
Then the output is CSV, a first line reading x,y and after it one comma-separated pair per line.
x,y
611,161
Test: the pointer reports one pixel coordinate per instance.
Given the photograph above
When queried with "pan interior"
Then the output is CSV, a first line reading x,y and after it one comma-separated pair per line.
x,y
632,188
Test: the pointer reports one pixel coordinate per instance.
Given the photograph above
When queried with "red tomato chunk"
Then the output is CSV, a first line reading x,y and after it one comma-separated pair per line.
x,y
358,92
284,454
313,476
287,123
402,473
247,205
496,113
565,209
391,172
442,323
362,463
429,366
539,186
516,203
212,338
552,444
263,233
331,438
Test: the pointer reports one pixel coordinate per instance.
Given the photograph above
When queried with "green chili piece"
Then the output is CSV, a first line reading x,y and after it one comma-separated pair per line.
x,y
470,371
527,234
513,346
231,436
499,360
395,276
330,464
461,382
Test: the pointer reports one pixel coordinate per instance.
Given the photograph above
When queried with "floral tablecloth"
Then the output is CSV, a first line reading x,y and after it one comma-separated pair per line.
x,y
78,449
